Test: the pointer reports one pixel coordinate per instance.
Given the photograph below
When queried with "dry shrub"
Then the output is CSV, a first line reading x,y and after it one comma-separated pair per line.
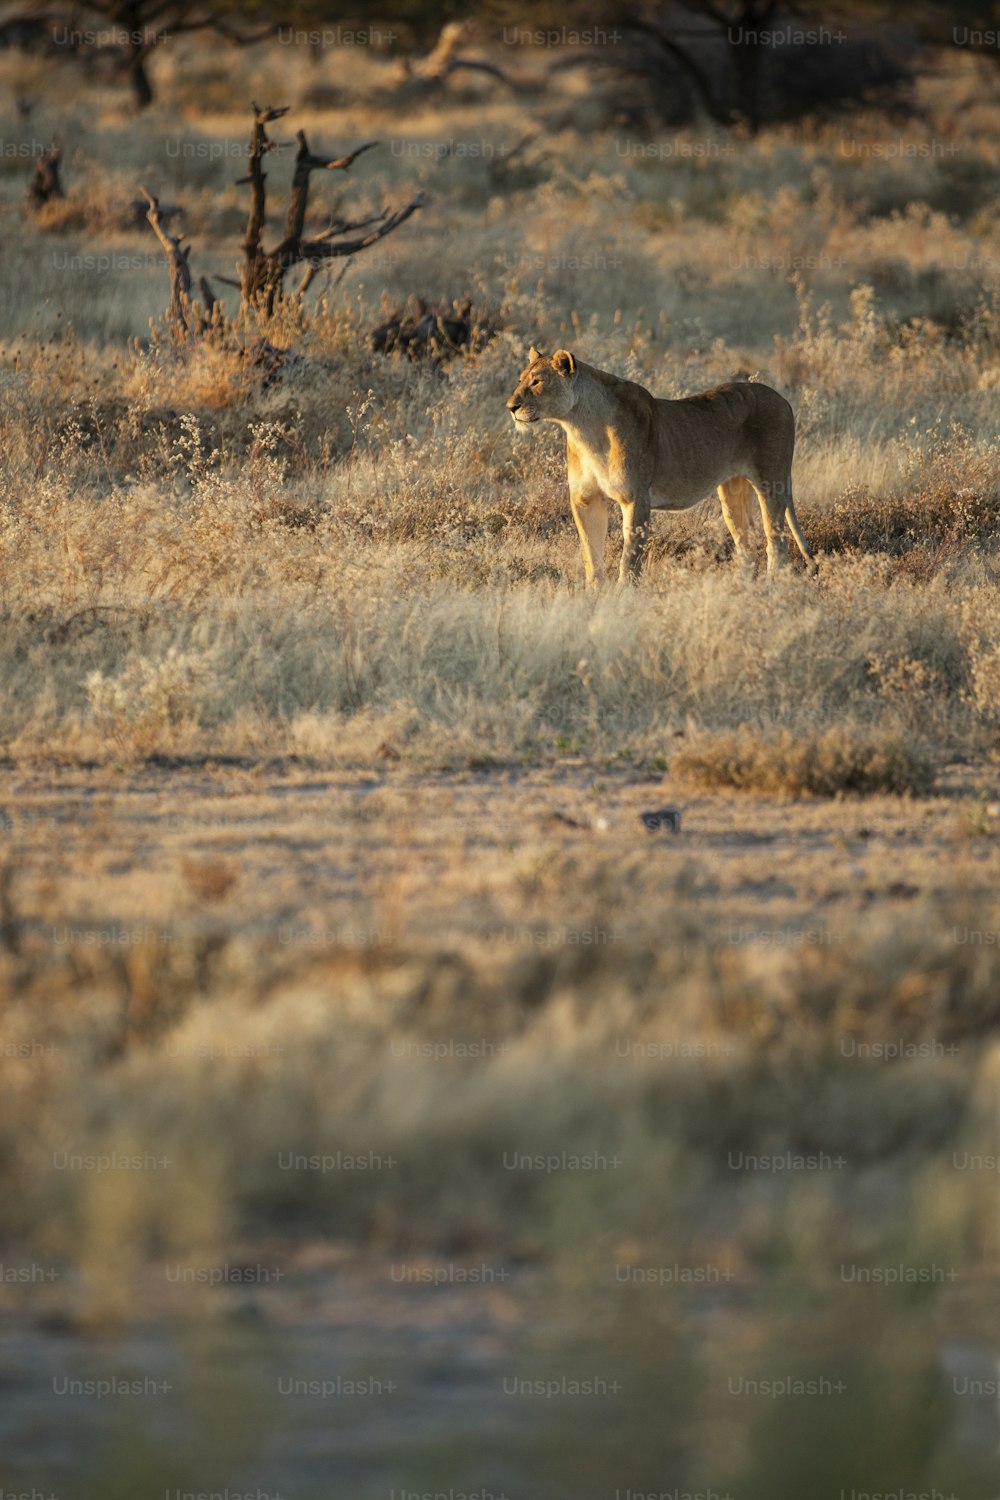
x,y
204,375
68,215
948,500
146,698
209,879
859,521
844,759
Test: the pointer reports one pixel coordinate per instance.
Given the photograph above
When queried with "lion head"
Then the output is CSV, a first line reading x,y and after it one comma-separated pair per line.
x,y
545,389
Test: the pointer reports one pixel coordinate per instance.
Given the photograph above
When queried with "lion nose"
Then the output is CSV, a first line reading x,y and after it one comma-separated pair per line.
x,y
514,404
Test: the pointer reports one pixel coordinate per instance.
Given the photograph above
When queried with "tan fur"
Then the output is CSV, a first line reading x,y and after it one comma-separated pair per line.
x,y
625,445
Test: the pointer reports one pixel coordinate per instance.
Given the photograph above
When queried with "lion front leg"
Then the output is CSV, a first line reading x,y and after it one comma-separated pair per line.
x,y
635,529
590,512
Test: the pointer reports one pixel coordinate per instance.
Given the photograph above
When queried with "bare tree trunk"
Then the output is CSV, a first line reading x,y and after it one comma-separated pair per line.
x,y
747,58
179,310
142,89
254,277
45,184
130,17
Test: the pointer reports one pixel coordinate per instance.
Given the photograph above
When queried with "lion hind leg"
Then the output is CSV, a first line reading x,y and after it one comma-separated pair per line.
x,y
735,497
777,508
635,538
774,497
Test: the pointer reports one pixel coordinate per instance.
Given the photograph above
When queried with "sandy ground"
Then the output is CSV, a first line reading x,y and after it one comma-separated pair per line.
x,y
340,857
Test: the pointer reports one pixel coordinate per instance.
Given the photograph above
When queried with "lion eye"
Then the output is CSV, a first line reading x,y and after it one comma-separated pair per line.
x,y
536,385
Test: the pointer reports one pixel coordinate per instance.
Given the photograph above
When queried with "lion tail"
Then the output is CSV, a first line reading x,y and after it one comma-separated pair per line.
x,y
800,541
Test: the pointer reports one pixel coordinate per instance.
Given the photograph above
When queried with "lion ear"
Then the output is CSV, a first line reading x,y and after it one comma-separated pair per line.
x,y
533,354
563,362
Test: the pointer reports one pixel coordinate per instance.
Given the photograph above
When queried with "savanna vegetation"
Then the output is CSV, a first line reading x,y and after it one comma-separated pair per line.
x,y
327,909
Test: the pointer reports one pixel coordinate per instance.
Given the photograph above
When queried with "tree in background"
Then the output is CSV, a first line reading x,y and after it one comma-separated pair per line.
x,y
720,49
129,31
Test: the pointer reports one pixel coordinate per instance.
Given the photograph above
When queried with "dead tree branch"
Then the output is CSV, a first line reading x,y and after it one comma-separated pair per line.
x,y
179,310
445,58
262,271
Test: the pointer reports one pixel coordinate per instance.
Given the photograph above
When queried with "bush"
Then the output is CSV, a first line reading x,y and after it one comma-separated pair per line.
x,y
841,760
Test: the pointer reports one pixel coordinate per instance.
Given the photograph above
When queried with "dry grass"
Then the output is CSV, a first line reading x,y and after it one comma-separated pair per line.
x,y
839,760
511,668
190,559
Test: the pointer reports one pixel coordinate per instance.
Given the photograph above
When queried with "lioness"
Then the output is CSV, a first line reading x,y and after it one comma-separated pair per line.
x,y
625,445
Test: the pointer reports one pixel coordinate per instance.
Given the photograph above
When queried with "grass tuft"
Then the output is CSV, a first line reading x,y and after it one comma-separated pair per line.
x,y
843,759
